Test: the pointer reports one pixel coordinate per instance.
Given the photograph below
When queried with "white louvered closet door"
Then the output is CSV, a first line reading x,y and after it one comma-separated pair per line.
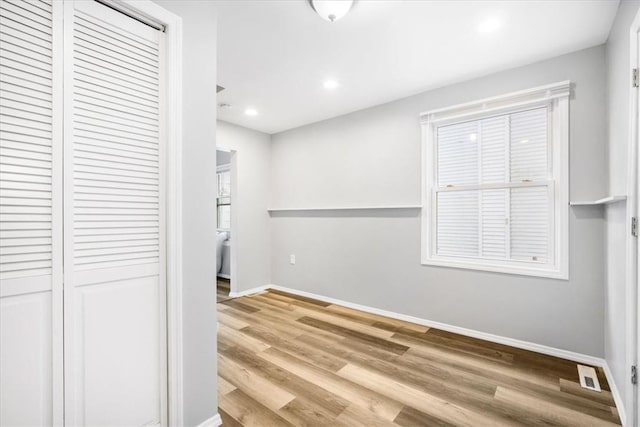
x,y
114,258
30,213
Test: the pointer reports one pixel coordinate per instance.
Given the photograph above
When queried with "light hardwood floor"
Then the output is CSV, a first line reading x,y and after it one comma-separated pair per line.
x,y
222,289
285,360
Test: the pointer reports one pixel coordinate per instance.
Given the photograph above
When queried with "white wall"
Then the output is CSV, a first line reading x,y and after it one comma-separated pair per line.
x,y
198,209
222,157
372,157
618,89
250,235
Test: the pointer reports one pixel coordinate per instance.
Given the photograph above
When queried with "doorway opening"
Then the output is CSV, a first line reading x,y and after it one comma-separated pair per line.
x,y
225,224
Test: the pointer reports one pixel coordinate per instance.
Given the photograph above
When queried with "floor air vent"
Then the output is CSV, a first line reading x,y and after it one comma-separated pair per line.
x,y
588,378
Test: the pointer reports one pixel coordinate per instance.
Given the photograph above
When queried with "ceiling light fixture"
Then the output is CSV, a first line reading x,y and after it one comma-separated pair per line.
x,y
330,84
489,25
331,10
250,112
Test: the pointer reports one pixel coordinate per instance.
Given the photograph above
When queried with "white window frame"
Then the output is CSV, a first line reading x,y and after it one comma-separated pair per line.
x,y
555,97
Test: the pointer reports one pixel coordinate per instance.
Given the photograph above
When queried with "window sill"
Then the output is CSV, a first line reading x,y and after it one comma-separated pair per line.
x,y
487,266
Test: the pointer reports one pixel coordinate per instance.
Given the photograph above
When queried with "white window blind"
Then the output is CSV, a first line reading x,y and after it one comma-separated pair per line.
x,y
493,189
26,127
496,183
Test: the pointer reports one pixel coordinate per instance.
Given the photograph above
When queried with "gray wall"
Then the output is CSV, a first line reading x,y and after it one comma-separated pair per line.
x,y
250,234
618,89
198,204
372,157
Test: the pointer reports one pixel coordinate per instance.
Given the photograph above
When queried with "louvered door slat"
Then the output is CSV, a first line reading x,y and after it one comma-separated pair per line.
x,y
27,21
21,80
88,102
135,47
27,10
14,46
116,166
26,122
10,32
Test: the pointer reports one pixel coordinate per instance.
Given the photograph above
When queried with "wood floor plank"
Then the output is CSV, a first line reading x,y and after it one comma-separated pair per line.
x,y
468,361
346,323
240,339
228,420
357,416
248,412
378,404
305,413
579,403
573,387
286,360
377,318
424,374
411,417
475,348
253,385
222,290
294,384
298,349
283,327
230,321
239,305
350,333
425,402
224,386
555,414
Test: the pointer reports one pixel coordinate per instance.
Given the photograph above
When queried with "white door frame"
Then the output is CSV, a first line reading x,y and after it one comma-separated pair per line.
x,y
633,186
173,184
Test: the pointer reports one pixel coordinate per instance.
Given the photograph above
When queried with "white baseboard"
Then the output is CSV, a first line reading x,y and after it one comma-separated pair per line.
x,y
214,421
525,345
617,397
249,291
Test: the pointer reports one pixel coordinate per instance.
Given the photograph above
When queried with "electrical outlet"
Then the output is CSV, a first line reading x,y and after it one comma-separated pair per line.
x,y
292,259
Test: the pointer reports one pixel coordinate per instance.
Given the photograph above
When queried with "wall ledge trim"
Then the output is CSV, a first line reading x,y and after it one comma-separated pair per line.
x,y
346,208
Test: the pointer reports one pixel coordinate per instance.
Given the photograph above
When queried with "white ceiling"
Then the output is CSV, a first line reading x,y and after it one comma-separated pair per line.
x,y
274,55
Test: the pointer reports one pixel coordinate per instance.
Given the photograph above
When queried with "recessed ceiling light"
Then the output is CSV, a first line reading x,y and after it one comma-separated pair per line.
x,y
250,112
330,84
489,25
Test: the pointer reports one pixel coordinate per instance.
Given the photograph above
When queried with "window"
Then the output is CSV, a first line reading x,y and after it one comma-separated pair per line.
x,y
496,184
224,199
